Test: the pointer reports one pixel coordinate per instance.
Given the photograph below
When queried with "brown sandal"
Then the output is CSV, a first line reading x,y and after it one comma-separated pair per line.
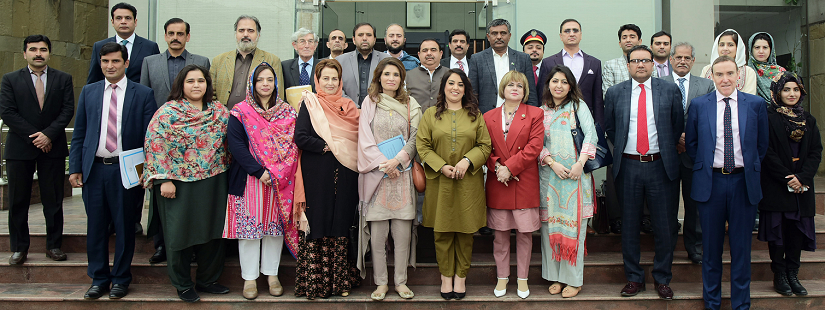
x,y
570,291
555,288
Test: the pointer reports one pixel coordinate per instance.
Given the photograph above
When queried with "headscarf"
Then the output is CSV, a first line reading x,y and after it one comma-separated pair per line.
x,y
794,116
271,136
767,72
185,143
335,119
741,59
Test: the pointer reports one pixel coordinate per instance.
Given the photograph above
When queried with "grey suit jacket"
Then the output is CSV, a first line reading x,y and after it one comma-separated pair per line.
x,y
484,80
292,72
349,72
697,87
154,72
667,112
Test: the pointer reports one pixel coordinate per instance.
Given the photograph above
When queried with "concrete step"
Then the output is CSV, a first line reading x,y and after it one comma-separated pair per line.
x,y
76,242
592,296
600,267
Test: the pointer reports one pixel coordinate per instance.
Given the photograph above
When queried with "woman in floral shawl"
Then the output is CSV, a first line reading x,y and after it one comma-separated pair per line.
x,y
763,61
262,181
186,161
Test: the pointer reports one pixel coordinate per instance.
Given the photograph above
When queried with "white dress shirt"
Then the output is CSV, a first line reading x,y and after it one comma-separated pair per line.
x,y
538,71
502,65
454,64
676,78
104,118
575,62
42,77
719,153
652,135
130,42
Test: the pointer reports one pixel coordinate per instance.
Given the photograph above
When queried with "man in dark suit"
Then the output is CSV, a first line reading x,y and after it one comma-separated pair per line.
x,y
357,66
37,103
682,57
112,117
458,44
586,68
660,45
158,73
299,71
124,20
644,120
488,67
727,138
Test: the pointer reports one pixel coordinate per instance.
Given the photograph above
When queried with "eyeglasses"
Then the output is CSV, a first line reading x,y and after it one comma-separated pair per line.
x,y
573,30
644,61
304,42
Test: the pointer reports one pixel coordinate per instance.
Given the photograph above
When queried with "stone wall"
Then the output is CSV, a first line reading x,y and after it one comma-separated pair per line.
x,y
73,26
816,77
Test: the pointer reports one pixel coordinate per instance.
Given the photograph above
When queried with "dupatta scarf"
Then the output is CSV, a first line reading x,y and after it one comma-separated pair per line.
x,y
767,72
271,134
185,143
741,59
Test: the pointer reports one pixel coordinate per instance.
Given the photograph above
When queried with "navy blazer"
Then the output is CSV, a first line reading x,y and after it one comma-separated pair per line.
x,y
590,84
485,83
292,72
667,112
141,48
138,108
700,142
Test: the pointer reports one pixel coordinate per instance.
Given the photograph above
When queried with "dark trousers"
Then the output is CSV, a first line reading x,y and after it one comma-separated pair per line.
x,y
692,230
108,202
787,256
210,264
729,203
639,181
50,176
614,208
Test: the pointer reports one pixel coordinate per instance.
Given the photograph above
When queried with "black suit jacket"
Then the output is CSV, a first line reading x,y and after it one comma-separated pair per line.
x,y
21,112
292,73
446,61
590,84
140,50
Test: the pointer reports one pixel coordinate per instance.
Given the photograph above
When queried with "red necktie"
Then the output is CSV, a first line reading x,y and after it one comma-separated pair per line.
x,y
461,65
642,144
536,74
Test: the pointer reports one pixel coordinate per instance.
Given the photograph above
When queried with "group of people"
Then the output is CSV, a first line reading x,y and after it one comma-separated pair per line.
x,y
385,142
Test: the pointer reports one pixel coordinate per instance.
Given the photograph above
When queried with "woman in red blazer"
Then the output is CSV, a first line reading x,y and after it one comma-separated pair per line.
x,y
517,132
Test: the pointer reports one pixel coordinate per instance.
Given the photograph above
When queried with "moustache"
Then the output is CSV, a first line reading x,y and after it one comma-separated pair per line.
x,y
175,41
39,58
499,41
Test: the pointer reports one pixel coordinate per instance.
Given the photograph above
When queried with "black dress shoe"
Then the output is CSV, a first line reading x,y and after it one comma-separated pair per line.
x,y
695,258
647,226
616,227
18,258
780,284
138,229
486,231
118,291
159,256
189,295
95,292
212,288
793,282
56,254
459,296
448,296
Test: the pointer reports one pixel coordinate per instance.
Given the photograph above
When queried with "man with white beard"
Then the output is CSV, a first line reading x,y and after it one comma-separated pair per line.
x,y
230,71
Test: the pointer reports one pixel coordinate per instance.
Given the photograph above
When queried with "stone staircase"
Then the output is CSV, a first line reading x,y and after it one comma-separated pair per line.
x,y
42,283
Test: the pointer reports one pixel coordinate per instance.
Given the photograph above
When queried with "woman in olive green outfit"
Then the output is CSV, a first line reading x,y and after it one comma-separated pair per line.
x,y
454,144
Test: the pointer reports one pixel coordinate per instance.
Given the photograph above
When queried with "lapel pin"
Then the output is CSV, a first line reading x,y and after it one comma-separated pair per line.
x,y
523,116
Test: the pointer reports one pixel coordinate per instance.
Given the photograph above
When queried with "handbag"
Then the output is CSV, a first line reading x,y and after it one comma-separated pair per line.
x,y
419,179
603,156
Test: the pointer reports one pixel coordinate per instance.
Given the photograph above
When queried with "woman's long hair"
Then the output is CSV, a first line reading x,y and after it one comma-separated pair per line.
x,y
574,95
376,89
177,85
468,101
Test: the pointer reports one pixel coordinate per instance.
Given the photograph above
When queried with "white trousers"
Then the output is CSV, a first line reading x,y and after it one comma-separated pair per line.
x,y
260,256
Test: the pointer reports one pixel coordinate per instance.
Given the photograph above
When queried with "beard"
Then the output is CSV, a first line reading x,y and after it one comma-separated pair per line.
x,y
395,50
247,46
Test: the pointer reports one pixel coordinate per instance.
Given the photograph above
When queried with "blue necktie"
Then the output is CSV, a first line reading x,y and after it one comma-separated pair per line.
x,y
304,78
729,162
682,89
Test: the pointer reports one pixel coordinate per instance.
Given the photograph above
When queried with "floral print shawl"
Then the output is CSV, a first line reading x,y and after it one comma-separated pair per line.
x,y
767,72
186,144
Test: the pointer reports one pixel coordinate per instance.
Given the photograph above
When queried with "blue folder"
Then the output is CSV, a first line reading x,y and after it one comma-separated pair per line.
x,y
391,147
